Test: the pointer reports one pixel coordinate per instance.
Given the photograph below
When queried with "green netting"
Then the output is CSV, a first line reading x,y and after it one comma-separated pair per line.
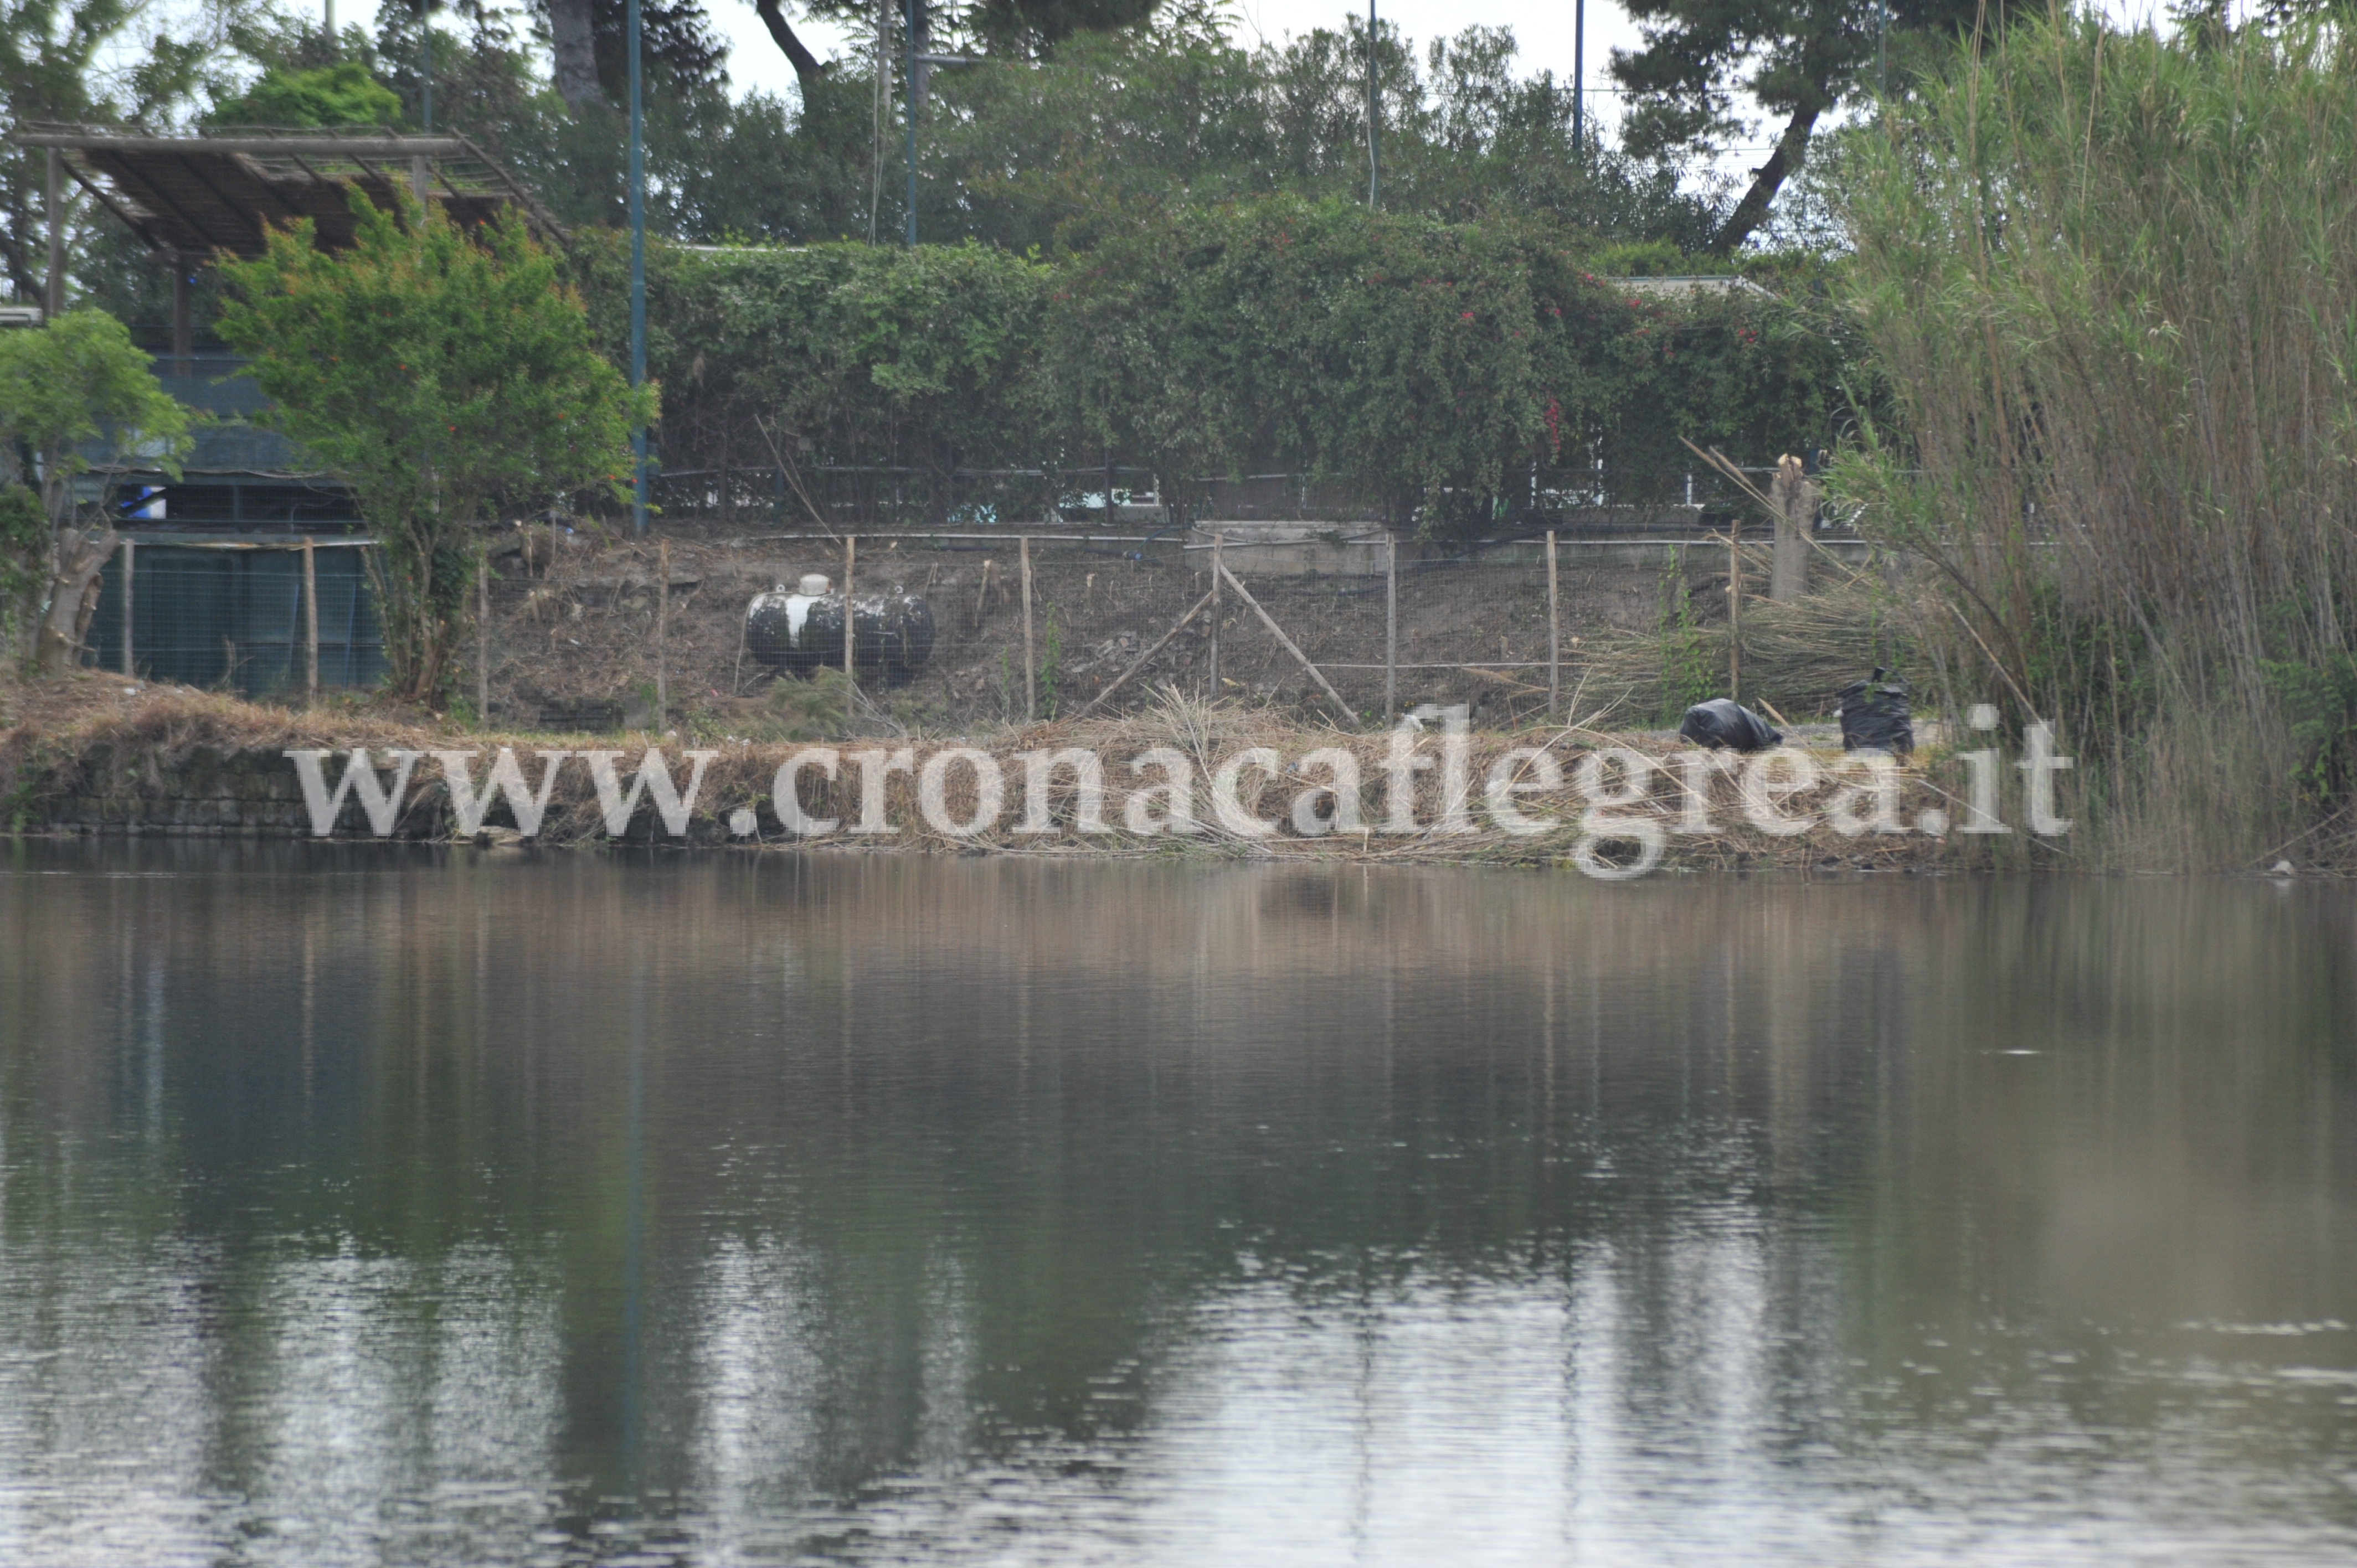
x,y
233,618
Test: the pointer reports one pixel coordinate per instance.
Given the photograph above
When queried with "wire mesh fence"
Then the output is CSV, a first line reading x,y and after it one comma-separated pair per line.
x,y
838,497
1351,627
1348,625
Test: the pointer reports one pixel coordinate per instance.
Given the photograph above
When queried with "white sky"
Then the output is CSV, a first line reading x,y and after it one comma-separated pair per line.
x,y
1543,31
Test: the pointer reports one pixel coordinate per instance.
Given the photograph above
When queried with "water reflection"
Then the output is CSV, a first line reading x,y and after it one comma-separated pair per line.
x,y
363,1206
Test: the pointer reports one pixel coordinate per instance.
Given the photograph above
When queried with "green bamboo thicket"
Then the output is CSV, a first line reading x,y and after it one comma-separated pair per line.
x,y
2112,280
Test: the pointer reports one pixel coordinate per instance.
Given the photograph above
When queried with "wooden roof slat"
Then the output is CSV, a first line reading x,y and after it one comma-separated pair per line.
x,y
88,139
245,165
139,224
198,195
204,243
194,170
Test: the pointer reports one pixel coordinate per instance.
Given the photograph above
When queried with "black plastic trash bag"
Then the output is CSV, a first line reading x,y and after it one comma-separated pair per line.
x,y
1874,717
1722,723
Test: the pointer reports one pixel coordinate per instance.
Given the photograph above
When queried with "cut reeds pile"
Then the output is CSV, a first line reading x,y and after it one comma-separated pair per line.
x,y
1795,656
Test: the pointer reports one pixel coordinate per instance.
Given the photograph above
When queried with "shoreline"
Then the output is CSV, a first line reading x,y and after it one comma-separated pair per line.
x,y
99,756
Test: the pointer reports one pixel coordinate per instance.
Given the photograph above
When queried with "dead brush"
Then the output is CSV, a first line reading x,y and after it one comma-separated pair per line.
x,y
91,739
1795,655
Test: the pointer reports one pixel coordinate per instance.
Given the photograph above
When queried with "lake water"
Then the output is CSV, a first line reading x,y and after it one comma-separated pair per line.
x,y
372,1206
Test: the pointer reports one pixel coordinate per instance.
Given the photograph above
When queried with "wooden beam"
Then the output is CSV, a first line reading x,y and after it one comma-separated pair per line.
x,y
1270,621
53,297
261,229
245,166
1140,662
128,174
518,194
83,139
98,193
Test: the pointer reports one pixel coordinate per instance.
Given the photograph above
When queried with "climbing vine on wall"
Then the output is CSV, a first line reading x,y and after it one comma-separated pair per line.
x,y
1446,371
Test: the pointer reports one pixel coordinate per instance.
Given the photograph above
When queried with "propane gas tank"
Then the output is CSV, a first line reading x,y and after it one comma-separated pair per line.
x,y
801,629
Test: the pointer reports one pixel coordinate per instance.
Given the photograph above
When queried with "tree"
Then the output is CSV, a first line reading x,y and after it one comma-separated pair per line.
x,y
73,61
73,391
1118,126
1797,59
438,374
344,93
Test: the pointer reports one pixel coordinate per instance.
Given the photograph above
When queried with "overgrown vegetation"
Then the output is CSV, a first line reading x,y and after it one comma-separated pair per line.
x,y
1448,369
343,93
436,374
2112,282
74,395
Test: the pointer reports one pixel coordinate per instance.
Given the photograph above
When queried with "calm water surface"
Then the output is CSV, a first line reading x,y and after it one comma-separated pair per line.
x,y
387,1207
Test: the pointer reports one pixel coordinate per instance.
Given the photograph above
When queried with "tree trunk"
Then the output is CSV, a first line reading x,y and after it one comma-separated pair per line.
x,y
807,69
574,44
73,596
1795,501
1769,177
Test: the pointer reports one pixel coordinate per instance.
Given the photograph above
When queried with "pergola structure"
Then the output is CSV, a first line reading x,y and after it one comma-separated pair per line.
x,y
219,192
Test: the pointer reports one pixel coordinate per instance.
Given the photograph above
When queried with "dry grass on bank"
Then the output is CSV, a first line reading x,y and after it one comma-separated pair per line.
x,y
92,736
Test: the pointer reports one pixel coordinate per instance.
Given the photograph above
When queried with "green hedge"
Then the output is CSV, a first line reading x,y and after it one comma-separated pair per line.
x,y
1429,366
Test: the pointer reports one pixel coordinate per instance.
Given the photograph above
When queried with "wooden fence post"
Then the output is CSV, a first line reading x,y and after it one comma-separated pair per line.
x,y
310,626
662,633
483,645
1218,540
1555,637
1030,665
1735,607
130,558
850,561
1390,627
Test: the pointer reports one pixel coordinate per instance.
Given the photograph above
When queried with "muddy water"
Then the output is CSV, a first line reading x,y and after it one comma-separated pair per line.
x,y
364,1206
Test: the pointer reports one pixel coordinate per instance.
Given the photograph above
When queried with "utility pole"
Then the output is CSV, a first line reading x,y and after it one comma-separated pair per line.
x,y
426,38
1375,118
1578,78
638,277
912,122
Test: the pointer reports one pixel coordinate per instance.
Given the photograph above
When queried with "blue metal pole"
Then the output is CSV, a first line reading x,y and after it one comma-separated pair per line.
x,y
911,6
638,277
1374,119
1579,77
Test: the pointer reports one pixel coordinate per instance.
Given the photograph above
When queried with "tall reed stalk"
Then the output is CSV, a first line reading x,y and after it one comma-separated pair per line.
x,y
2113,279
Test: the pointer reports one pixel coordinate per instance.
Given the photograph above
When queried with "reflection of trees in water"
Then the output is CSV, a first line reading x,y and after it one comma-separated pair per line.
x,y
948,1163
